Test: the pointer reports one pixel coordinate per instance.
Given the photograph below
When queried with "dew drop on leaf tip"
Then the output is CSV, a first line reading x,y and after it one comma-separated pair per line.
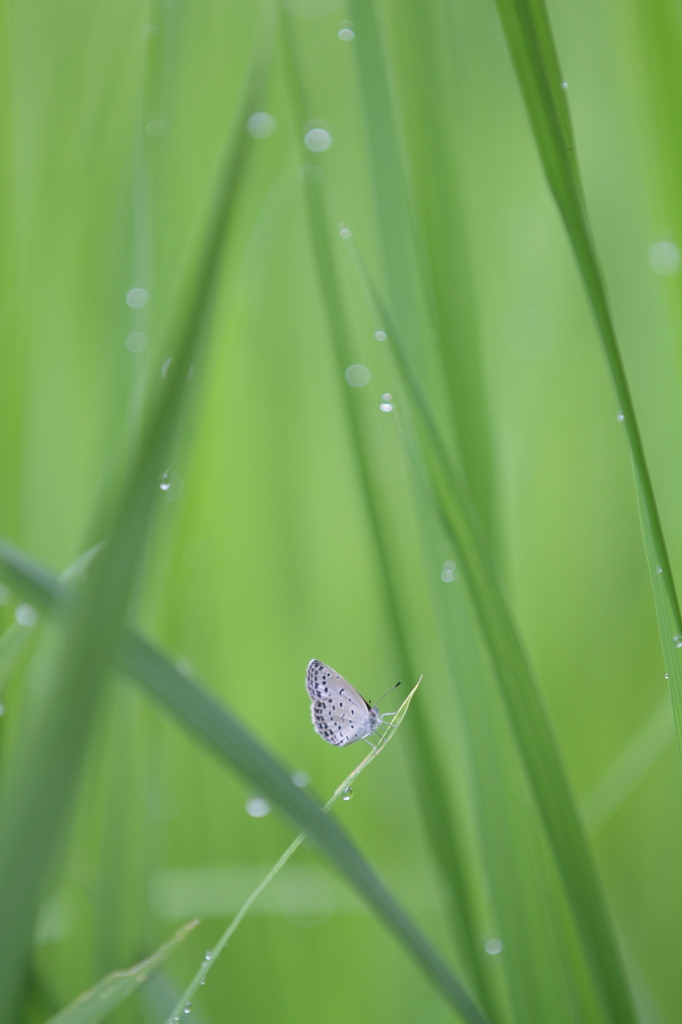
x,y
347,794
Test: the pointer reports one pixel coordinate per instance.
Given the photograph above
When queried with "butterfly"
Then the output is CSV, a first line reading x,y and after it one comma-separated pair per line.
x,y
340,714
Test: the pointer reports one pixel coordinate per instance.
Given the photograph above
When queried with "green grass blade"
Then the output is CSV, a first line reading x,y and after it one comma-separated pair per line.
x,y
429,775
532,49
199,713
525,709
52,745
99,1001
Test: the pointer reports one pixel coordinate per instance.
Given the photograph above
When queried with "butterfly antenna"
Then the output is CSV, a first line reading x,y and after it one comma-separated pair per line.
x,y
386,694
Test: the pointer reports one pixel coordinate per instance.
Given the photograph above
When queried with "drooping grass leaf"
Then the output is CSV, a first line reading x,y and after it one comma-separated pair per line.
x,y
199,713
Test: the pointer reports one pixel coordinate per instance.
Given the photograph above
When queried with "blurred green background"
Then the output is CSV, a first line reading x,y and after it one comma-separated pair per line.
x,y
263,553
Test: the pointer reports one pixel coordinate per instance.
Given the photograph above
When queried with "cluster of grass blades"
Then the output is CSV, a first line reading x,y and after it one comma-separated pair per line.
x,y
520,927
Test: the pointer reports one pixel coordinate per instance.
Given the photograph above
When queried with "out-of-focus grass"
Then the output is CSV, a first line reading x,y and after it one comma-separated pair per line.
x,y
263,554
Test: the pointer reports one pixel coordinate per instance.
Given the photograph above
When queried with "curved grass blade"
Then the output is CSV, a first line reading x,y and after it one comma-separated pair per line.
x,y
52,745
528,33
93,1005
199,713
527,714
213,954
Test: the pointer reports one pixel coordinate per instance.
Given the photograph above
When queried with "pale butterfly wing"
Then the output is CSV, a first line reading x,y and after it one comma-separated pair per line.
x,y
340,714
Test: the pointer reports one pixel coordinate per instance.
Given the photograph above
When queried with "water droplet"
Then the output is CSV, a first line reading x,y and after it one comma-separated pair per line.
x,y
149,31
666,676
346,34
208,955
347,794
164,481
203,981
677,640
448,576
309,174
261,125
136,342
26,615
357,375
165,367
493,946
345,232
257,807
300,779
659,569
450,565
136,298
317,140
564,85
620,417
156,128
380,335
386,407
664,258
188,1008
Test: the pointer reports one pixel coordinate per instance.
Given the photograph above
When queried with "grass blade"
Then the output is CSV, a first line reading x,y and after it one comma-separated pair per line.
x,y
199,713
429,776
528,33
213,954
52,746
93,1005
526,712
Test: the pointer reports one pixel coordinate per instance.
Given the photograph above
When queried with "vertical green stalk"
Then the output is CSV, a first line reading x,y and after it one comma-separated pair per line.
x,y
37,798
435,801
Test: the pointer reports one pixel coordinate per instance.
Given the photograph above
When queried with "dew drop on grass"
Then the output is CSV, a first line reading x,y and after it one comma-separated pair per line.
x,y
257,807
26,615
664,258
261,125
136,298
347,794
136,342
208,955
300,779
380,335
317,140
659,569
620,417
493,946
310,174
346,34
386,401
357,375
164,482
